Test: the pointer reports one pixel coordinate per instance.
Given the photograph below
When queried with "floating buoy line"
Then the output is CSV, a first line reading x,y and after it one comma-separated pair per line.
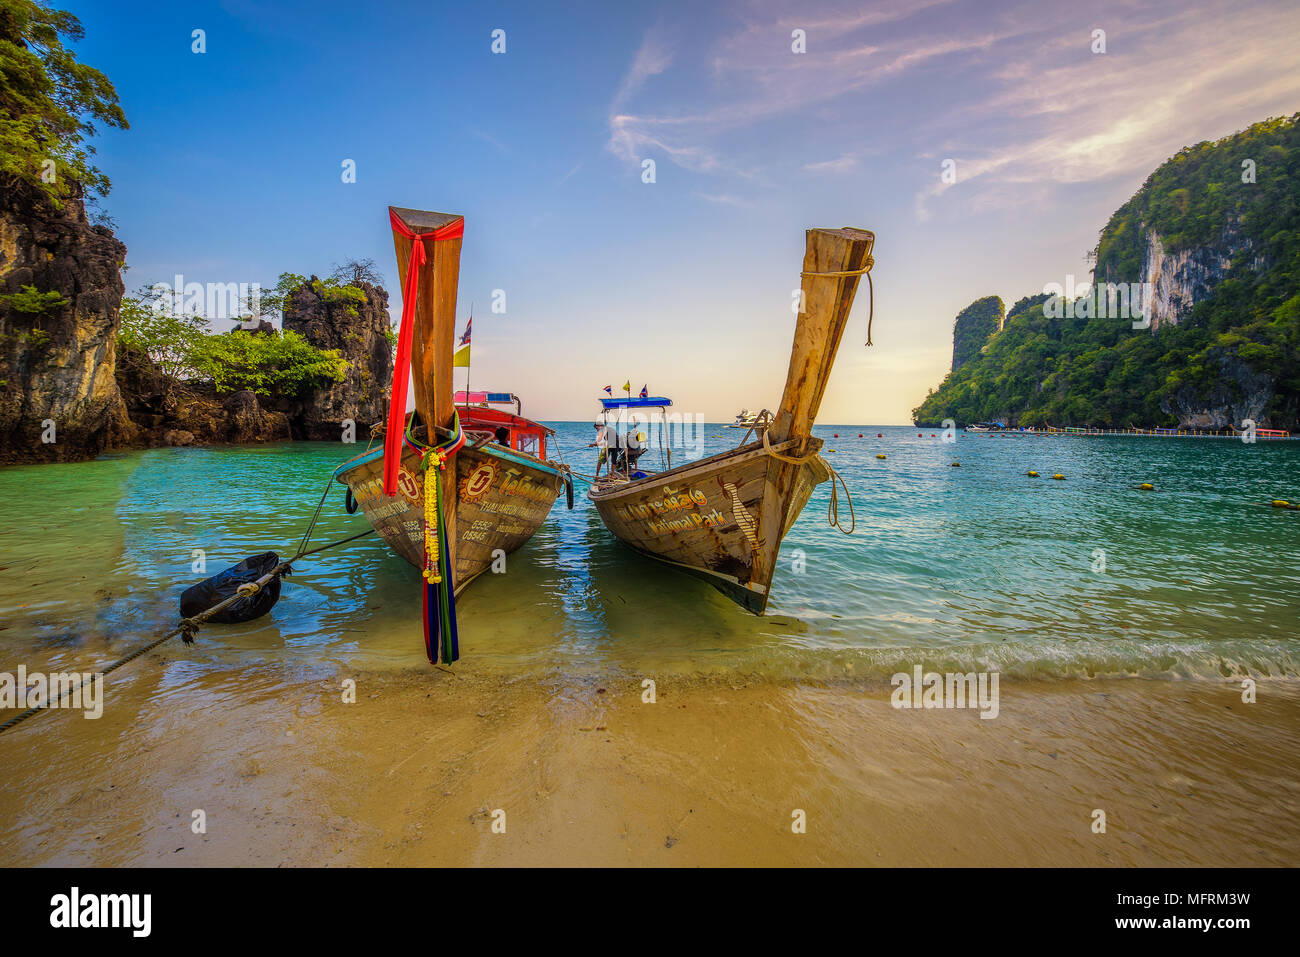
x,y
1277,503
189,626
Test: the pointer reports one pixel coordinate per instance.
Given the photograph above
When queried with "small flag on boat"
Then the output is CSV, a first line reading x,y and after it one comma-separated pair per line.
x,y
460,358
609,389
644,393
627,386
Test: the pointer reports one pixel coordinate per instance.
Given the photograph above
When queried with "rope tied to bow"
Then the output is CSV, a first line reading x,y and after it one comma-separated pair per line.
x,y
864,271
833,507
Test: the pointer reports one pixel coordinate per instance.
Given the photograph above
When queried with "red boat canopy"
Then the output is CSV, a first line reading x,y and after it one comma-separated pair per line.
x,y
524,435
485,398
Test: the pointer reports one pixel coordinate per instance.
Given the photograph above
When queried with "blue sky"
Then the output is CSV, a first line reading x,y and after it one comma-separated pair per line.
x,y
231,169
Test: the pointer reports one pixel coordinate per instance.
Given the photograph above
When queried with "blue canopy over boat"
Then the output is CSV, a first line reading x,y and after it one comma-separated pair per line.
x,y
652,402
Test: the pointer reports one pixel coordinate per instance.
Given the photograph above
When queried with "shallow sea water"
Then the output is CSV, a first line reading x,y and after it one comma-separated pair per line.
x,y
977,566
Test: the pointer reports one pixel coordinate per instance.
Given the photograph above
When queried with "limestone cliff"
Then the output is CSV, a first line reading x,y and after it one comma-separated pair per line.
x,y
360,331
60,289
974,325
1212,241
1177,281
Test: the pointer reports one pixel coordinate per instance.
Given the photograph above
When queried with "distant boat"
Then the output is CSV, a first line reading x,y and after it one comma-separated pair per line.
x,y
497,484
986,427
722,518
745,419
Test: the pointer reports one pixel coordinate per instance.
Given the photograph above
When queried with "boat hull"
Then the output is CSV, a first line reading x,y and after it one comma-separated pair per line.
x,y
721,519
502,498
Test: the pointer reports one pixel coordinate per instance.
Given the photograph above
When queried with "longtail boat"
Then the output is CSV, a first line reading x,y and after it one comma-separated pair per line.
x,y
495,483
722,518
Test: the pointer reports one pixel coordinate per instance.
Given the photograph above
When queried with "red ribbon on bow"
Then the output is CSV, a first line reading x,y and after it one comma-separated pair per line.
x,y
406,332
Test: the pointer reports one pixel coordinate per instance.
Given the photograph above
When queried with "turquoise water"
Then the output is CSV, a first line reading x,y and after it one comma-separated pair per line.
x,y
977,566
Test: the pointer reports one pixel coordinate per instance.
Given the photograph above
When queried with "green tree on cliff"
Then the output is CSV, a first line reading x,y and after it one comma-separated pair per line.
x,y
50,103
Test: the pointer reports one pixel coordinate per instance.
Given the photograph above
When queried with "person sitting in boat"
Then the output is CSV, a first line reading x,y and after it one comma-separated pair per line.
x,y
606,438
503,436
636,447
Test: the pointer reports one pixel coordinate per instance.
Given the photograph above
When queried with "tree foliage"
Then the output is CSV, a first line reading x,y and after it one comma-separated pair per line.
x,y
50,103
30,301
169,339
278,364
356,271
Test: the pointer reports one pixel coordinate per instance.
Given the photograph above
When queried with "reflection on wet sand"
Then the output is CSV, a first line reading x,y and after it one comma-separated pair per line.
x,y
584,771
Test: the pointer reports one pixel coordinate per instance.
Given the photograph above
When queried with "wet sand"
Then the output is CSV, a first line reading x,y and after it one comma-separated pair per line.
x,y
586,773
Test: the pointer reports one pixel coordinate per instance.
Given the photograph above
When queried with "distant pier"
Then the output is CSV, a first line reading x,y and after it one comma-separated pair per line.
x,y
1261,435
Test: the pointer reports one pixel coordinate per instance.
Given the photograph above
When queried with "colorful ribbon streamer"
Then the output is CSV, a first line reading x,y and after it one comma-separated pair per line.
x,y
406,332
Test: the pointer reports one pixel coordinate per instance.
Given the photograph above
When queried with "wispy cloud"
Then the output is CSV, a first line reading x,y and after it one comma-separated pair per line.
x,y
652,58
1067,115
567,176
491,140
725,199
845,164
755,77
1012,93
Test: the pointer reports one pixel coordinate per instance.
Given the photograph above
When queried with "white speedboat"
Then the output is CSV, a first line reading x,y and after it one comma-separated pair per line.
x,y
745,420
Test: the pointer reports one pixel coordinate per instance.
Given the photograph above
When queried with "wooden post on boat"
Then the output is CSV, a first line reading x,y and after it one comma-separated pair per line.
x,y
832,268
434,334
833,265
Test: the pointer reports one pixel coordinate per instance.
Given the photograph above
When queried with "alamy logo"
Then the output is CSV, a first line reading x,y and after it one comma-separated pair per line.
x,y
213,300
1122,300
102,910
933,690
63,689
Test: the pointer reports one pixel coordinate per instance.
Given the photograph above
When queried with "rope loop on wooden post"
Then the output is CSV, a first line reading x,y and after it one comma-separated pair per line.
x,y
864,271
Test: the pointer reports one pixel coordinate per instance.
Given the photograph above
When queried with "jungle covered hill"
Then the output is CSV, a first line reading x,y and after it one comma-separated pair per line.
x,y
1213,240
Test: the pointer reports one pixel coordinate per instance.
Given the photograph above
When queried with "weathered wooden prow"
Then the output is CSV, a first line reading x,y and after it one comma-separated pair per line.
x,y
435,317
832,269
434,332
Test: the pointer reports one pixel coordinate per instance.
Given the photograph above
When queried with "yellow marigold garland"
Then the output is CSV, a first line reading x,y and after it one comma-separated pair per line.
x,y
432,549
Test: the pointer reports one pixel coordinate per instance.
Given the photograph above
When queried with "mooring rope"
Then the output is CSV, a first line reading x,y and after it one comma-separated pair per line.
x,y
188,627
311,526
833,508
792,460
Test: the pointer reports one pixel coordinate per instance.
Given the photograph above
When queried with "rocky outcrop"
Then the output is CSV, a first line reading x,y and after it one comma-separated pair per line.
x,y
167,413
57,353
359,330
1237,393
981,319
1177,281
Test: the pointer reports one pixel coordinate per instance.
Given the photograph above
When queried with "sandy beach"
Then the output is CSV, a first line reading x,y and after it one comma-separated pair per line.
x,y
419,768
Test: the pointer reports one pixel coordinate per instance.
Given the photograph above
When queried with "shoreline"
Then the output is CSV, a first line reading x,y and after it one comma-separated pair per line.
x,y
709,775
